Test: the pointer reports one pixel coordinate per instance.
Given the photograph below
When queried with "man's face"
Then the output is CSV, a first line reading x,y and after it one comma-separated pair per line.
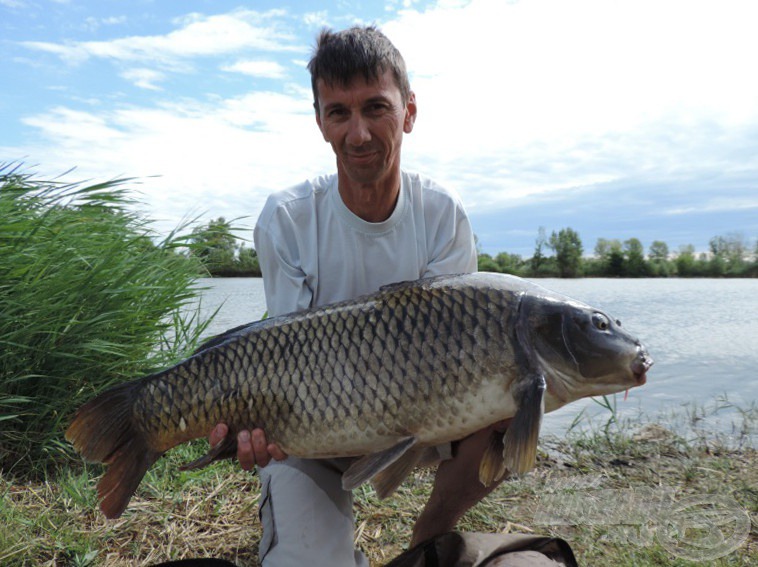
x,y
364,123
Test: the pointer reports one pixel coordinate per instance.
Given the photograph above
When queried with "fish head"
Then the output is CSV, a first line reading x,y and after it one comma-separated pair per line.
x,y
582,350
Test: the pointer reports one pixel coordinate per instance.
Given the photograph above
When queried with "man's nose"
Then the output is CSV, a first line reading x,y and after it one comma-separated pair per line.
x,y
357,130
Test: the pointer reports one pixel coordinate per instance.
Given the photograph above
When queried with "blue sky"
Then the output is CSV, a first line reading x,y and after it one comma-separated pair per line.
x,y
619,119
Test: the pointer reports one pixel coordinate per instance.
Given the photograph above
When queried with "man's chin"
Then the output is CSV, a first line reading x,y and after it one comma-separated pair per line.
x,y
364,175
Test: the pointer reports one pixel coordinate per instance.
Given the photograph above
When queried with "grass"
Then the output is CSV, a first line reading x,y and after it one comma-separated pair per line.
x,y
608,492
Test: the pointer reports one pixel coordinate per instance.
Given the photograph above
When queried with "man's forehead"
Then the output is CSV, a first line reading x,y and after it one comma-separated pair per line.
x,y
358,85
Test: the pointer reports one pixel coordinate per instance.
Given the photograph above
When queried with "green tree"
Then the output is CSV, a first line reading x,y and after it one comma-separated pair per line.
x,y
568,252
728,254
658,256
509,263
659,251
611,257
485,263
248,261
539,245
604,247
752,269
615,265
214,244
634,256
685,261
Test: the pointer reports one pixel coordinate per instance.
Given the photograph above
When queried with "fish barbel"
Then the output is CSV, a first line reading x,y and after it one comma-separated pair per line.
x,y
381,377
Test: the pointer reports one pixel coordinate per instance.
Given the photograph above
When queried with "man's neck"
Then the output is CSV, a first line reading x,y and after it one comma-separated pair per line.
x,y
373,202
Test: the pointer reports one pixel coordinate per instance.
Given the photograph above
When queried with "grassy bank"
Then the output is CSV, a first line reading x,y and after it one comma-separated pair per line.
x,y
632,497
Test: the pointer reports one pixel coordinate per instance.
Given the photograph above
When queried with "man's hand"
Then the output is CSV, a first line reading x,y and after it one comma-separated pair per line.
x,y
252,448
456,485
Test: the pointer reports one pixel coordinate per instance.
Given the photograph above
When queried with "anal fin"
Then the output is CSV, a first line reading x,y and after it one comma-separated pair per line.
x,y
225,449
366,467
520,442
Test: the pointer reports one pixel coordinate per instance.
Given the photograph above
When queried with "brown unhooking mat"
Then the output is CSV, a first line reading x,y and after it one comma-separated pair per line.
x,y
459,549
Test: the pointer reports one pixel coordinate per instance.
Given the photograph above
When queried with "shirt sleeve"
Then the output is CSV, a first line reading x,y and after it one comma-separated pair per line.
x,y
453,250
284,282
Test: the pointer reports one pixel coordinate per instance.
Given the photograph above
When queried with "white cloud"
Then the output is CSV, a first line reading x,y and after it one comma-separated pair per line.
x,y
257,68
223,157
92,23
75,129
199,36
316,19
144,78
721,204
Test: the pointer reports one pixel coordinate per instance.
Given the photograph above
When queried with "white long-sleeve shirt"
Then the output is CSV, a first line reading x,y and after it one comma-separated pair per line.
x,y
313,250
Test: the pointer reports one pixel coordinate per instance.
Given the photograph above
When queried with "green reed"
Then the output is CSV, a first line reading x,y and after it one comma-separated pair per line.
x,y
89,296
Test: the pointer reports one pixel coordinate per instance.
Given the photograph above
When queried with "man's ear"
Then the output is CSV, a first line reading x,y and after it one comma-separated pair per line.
x,y
318,121
410,113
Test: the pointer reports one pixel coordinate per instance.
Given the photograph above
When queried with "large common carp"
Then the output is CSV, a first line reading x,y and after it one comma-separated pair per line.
x,y
380,377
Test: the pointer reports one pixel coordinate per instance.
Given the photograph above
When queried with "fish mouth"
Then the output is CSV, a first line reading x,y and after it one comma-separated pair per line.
x,y
641,364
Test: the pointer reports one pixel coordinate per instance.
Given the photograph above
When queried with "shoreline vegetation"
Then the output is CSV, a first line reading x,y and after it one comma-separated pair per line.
x,y
730,256
90,297
561,255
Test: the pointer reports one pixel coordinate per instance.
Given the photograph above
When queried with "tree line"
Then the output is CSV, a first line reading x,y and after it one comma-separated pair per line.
x,y
560,254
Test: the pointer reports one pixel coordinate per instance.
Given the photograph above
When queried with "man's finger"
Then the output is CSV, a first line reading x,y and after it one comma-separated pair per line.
x,y
276,452
245,453
218,434
262,456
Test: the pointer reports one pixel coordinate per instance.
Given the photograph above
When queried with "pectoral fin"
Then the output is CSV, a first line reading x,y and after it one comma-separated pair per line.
x,y
366,467
520,450
492,465
387,481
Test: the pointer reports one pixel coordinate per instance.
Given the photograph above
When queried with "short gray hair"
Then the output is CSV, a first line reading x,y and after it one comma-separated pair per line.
x,y
342,56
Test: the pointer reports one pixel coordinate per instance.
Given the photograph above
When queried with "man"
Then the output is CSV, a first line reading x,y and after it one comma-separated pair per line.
x,y
338,237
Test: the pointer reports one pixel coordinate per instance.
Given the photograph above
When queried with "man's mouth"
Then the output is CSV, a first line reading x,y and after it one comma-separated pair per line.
x,y
361,157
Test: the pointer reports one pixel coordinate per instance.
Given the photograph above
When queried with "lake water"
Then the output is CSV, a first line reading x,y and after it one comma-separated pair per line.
x,y
702,333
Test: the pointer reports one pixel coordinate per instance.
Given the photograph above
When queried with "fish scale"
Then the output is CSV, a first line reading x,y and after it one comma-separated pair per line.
x,y
380,377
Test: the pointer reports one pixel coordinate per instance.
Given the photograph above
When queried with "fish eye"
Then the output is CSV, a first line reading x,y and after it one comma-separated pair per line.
x,y
600,321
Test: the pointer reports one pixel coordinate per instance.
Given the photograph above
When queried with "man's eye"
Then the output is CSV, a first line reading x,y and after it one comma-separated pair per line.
x,y
376,108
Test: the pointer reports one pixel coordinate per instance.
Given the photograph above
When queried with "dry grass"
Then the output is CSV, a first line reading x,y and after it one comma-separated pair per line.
x,y
213,513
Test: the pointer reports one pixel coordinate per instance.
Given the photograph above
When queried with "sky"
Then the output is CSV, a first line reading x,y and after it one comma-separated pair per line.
x,y
619,119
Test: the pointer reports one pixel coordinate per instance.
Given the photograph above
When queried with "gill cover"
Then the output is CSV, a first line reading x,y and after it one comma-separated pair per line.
x,y
520,442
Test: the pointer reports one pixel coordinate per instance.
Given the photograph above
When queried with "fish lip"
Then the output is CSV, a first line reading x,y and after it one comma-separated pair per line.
x,y
641,364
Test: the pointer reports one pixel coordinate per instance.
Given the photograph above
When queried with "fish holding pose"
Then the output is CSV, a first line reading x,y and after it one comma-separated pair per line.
x,y
380,378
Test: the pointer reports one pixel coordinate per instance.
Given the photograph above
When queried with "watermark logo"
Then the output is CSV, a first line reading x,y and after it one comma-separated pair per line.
x,y
696,528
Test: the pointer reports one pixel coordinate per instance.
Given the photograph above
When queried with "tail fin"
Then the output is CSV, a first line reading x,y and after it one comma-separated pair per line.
x,y
103,432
